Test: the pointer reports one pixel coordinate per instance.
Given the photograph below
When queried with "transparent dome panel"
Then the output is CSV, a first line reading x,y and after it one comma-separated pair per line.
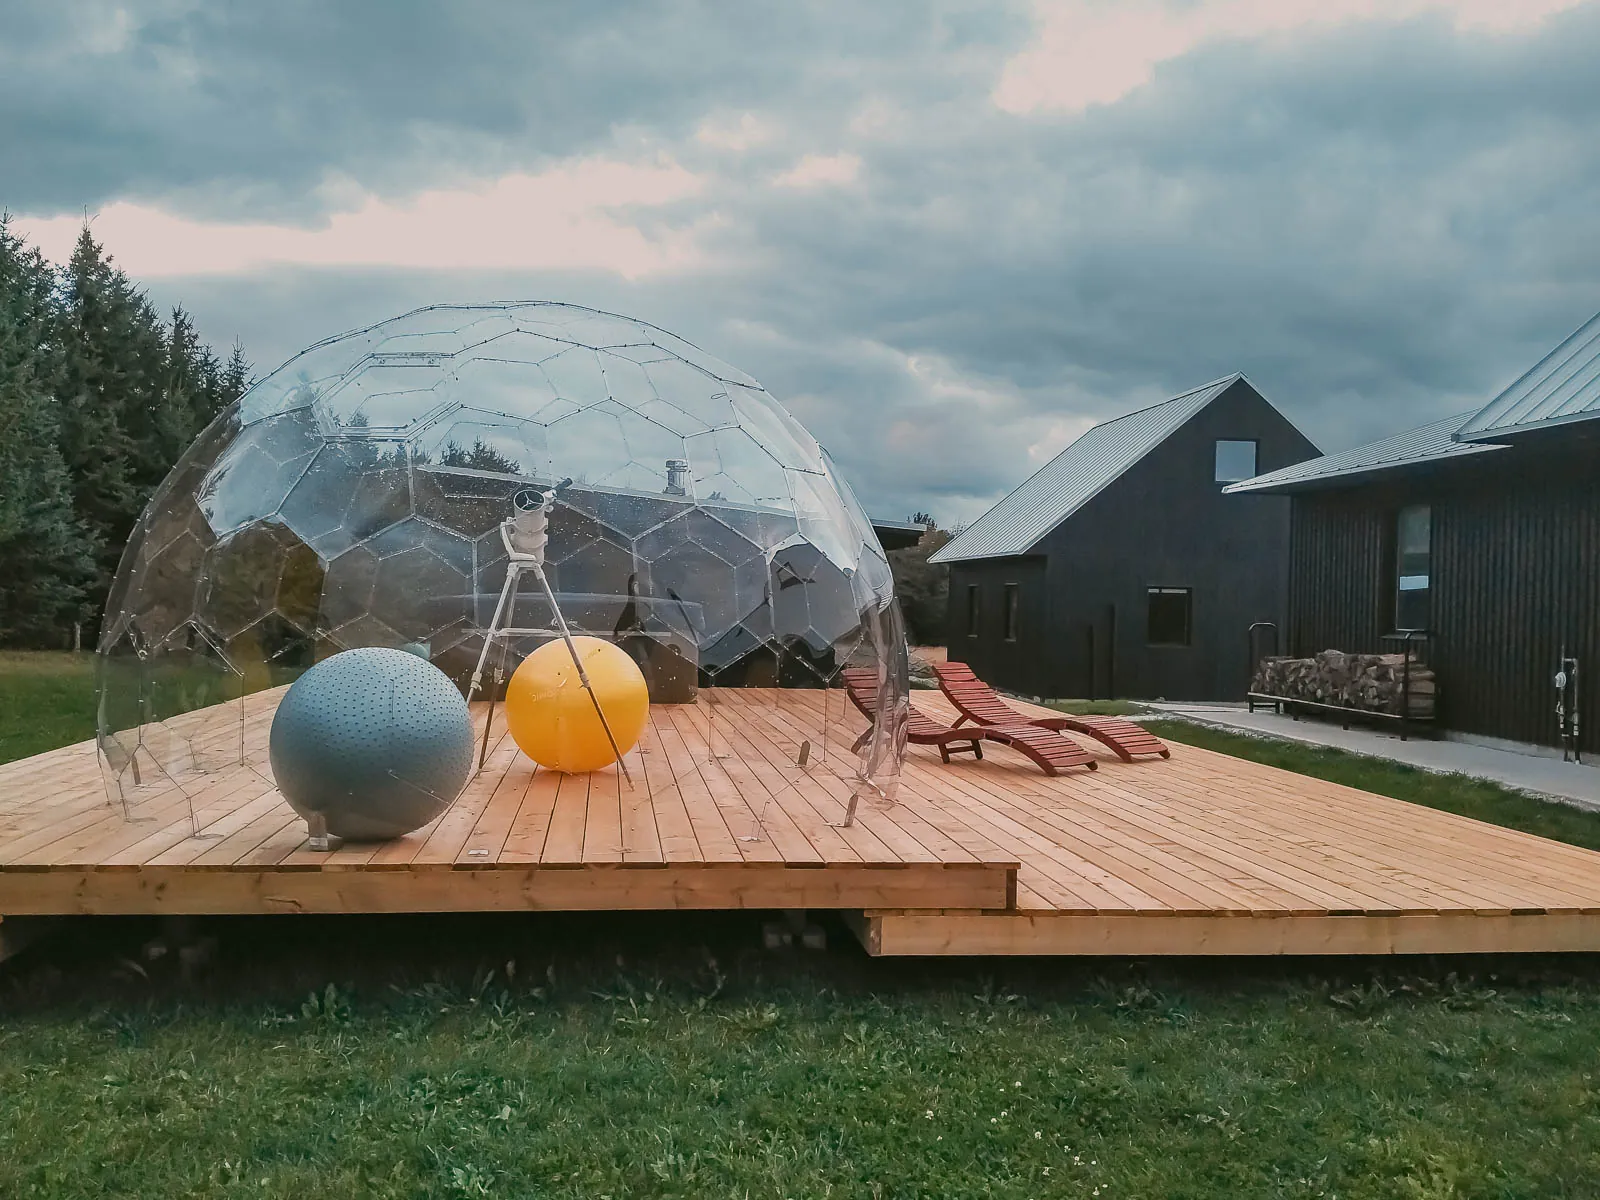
x,y
355,497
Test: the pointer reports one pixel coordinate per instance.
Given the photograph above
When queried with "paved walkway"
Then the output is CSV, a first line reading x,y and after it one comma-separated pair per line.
x,y
1571,782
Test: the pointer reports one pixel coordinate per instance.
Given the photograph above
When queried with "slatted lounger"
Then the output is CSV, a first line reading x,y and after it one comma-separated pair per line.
x,y
1047,748
979,703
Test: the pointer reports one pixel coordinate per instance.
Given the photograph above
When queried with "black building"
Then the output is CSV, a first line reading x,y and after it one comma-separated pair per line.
x,y
1121,568
1481,530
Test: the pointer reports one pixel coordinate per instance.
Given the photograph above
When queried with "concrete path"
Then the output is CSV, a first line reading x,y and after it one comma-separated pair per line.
x,y
1535,773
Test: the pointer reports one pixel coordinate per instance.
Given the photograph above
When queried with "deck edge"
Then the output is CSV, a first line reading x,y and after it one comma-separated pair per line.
x,y
184,890
1023,933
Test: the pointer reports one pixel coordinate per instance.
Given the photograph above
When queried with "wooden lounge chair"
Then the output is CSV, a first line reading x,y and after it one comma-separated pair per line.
x,y
1047,748
980,704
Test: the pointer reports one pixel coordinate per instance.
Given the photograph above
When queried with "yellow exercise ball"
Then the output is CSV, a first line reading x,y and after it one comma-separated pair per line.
x,y
551,716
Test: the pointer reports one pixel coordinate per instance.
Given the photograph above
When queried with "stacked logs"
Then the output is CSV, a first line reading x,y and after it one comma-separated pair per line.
x,y
1369,682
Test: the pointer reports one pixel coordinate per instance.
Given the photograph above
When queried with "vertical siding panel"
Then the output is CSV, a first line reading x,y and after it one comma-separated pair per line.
x,y
1516,573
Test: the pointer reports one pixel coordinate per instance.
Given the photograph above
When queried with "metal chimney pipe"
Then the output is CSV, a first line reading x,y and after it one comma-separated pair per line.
x,y
677,477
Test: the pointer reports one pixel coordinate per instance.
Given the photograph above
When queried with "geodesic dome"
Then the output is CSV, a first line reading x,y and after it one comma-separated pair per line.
x,y
354,498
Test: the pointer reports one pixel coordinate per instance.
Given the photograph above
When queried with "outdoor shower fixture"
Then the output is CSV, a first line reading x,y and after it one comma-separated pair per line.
x,y
1566,681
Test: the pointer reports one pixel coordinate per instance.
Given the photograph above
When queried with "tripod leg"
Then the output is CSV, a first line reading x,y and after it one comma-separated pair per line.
x,y
513,576
488,721
513,573
583,676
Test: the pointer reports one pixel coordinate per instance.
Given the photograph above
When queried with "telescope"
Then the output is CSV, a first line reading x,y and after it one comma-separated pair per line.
x,y
528,530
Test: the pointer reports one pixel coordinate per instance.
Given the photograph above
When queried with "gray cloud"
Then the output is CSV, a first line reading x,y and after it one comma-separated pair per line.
x,y
244,108
1380,223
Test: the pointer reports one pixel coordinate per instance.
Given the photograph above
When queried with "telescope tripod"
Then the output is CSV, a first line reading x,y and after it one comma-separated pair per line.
x,y
524,537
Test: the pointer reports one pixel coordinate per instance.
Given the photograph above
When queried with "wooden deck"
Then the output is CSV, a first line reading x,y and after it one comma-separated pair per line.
x,y
1199,854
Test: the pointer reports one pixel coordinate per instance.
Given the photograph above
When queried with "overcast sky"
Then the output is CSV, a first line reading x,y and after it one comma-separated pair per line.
x,y
948,236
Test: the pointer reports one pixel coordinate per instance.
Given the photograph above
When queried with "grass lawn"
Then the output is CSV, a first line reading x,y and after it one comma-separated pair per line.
x,y
1101,708
46,700
664,1055
657,1056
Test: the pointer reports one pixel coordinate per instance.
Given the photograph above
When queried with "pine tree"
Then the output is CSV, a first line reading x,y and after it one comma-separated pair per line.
x,y
45,558
187,390
234,381
98,399
119,433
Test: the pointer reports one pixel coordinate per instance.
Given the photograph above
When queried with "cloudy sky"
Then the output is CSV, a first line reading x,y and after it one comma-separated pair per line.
x,y
949,236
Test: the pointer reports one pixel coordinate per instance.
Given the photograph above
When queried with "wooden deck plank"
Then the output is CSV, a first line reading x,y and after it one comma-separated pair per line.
x,y
444,888
563,846
1122,935
835,776
673,827
1197,854
738,815
762,727
530,828
602,830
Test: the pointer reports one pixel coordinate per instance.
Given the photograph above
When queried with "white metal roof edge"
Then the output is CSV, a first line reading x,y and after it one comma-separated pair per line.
x,y
1486,423
1305,475
1482,436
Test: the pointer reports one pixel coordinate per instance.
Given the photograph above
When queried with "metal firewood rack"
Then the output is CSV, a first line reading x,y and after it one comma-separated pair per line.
x,y
1411,641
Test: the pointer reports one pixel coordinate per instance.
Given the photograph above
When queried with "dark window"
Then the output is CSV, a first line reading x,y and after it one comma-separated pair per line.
x,y
1169,617
1013,600
1235,461
972,610
1412,539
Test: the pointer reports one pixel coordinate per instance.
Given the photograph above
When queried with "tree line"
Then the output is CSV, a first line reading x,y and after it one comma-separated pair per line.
x,y
923,588
98,397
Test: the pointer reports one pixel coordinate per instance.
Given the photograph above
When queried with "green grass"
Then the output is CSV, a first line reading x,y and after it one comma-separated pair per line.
x,y
664,1055
1099,708
46,700
1474,798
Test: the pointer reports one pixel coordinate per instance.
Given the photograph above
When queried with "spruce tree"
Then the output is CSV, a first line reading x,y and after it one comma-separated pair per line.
x,y
98,399
188,387
45,554
235,379
118,432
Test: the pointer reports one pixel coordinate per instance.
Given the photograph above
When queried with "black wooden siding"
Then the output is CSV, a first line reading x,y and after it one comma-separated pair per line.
x,y
1337,572
1515,573
1164,523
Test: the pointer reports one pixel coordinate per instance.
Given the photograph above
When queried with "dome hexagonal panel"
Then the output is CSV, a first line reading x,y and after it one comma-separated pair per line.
x,y
355,497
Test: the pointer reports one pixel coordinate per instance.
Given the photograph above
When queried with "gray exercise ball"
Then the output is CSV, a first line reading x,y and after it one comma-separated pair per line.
x,y
375,741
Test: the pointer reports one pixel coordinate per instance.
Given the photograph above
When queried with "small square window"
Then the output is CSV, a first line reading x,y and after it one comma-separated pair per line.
x,y
1169,616
973,613
1013,605
1235,461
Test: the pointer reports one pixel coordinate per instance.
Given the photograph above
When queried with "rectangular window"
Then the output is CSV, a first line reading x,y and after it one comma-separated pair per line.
x,y
972,610
1169,620
1413,535
1235,461
1013,603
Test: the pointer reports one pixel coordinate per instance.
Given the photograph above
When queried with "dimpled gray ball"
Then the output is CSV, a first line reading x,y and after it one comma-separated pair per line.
x,y
376,741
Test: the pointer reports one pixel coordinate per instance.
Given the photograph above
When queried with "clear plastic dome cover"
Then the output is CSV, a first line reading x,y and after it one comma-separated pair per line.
x,y
354,497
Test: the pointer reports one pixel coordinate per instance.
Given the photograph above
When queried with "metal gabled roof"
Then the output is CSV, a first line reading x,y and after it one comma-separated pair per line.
x,y
1074,477
1563,386
1426,443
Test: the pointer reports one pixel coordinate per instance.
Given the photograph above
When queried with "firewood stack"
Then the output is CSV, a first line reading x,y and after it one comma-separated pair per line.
x,y
1369,682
